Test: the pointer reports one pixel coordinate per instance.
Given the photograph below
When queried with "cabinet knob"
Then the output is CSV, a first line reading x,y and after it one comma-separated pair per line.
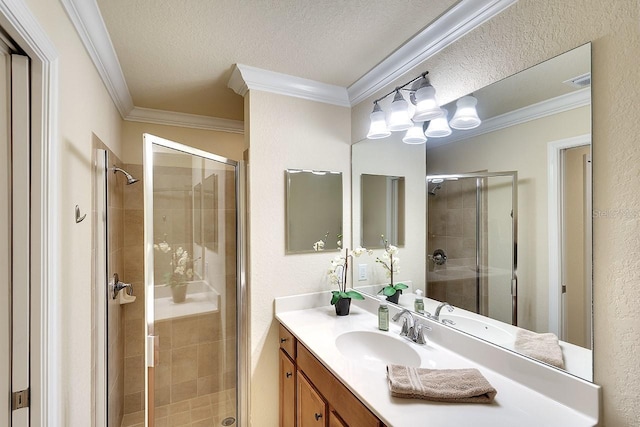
x,y
283,340
318,416
289,374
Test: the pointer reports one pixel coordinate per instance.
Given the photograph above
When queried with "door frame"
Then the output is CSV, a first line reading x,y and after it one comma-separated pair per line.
x,y
554,191
21,25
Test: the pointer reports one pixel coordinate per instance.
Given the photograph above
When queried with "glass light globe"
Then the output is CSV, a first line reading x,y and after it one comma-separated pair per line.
x,y
399,118
427,107
378,127
415,135
438,128
466,116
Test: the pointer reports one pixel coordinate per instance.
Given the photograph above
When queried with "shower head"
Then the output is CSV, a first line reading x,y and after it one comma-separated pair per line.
x,y
130,179
435,188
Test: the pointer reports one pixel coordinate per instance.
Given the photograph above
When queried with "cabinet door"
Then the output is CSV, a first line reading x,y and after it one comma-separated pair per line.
x,y
334,421
312,410
287,391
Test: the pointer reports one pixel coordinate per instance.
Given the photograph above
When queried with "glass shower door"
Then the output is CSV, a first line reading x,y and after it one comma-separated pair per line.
x,y
191,283
472,242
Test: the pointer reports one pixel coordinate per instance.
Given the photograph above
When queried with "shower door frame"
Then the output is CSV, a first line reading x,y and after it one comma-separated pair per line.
x,y
479,176
242,307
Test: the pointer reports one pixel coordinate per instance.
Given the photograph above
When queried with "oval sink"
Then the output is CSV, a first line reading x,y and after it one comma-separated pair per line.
x,y
480,329
376,347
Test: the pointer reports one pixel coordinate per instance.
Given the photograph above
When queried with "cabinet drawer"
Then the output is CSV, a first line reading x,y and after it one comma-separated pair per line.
x,y
287,342
350,409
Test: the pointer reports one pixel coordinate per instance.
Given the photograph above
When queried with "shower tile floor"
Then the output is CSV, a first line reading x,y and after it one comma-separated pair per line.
x,y
204,411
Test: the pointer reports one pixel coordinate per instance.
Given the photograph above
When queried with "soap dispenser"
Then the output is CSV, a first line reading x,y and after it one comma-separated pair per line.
x,y
419,302
383,316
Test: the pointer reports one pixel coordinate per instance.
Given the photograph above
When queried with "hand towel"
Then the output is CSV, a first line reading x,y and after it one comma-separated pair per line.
x,y
542,347
440,385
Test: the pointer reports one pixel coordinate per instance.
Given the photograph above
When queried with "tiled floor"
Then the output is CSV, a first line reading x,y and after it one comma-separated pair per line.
x,y
204,411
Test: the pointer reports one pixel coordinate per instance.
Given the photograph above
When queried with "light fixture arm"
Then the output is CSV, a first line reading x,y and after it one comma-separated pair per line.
x,y
402,87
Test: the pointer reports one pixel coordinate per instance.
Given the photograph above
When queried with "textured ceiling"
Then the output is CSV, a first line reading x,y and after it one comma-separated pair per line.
x,y
178,55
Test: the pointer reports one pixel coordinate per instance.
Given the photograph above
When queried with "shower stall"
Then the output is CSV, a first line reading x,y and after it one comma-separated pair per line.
x,y
472,241
171,335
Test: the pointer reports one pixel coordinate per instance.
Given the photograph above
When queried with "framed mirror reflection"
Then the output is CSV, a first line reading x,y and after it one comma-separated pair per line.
x,y
510,254
382,210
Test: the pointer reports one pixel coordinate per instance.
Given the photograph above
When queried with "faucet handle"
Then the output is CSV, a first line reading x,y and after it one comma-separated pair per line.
x,y
405,328
448,322
420,338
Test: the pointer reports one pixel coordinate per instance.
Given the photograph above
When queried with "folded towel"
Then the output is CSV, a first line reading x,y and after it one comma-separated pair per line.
x,y
542,347
440,385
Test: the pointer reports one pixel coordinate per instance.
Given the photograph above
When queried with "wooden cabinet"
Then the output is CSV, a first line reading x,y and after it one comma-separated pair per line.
x,y
319,398
312,410
335,421
287,391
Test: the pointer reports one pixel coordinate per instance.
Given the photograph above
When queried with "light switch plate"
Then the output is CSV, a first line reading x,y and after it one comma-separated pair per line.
x,y
362,271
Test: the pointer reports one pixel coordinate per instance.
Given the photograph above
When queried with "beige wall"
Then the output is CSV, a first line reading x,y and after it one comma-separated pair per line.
x,y
522,148
225,144
285,133
84,110
530,32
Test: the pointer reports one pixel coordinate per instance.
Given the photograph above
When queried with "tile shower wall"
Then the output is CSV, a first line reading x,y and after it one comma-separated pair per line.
x,y
452,228
134,312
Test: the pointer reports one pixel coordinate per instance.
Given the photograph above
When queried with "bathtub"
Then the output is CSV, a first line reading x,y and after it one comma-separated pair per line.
x,y
201,299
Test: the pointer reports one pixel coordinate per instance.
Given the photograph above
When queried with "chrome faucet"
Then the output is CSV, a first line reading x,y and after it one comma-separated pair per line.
x,y
415,332
436,315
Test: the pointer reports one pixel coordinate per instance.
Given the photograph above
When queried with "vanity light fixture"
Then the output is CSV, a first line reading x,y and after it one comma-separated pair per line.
x,y
423,95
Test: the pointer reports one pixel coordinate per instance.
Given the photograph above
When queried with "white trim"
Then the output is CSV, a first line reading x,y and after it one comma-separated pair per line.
x,y
170,118
559,104
87,20
19,22
455,23
554,220
245,78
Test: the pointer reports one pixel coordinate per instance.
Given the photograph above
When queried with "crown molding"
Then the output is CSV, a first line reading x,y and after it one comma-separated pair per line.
x,y
171,118
245,77
579,98
90,26
455,23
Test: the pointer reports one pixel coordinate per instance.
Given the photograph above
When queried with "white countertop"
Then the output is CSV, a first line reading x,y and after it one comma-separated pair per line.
x,y
515,404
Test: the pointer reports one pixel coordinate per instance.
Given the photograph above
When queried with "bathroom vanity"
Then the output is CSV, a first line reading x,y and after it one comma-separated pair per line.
x,y
333,373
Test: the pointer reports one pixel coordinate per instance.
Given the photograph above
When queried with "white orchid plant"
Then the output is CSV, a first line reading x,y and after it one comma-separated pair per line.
x,y
391,264
338,274
320,244
181,264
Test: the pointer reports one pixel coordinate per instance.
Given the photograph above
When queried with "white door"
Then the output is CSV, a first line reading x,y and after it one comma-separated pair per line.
x,y
14,237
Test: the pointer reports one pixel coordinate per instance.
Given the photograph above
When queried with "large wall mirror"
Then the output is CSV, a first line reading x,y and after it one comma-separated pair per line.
x,y
314,210
507,239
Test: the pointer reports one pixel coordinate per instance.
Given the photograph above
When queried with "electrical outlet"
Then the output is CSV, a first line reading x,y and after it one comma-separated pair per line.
x,y
362,271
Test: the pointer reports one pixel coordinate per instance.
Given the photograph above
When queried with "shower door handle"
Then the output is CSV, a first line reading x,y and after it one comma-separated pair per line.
x,y
153,350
